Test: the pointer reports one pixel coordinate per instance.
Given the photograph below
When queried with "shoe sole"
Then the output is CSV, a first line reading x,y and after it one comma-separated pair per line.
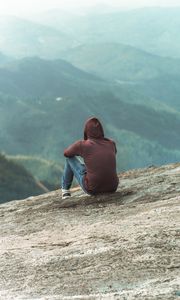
x,y
65,197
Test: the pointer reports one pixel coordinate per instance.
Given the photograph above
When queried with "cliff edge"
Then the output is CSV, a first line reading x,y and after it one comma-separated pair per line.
x,y
115,246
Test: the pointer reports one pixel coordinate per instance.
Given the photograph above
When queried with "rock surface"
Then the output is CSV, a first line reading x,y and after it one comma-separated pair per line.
x,y
114,246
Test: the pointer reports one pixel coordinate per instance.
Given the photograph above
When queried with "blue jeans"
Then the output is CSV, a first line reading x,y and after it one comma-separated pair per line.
x,y
73,167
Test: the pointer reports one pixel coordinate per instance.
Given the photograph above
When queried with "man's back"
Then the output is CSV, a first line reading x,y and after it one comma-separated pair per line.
x,y
100,160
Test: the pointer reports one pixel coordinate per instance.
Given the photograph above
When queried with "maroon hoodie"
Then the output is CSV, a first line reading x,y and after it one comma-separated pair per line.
x,y
99,154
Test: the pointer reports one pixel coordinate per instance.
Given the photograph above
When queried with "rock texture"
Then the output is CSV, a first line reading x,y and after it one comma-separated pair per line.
x,y
114,246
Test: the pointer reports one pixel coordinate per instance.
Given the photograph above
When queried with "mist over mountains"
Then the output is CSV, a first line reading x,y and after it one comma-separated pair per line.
x,y
152,29
35,77
23,38
56,70
121,62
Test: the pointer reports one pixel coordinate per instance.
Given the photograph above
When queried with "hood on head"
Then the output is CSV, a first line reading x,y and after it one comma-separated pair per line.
x,y
93,129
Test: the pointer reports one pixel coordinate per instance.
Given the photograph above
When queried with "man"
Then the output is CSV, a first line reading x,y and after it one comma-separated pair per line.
x,y
98,172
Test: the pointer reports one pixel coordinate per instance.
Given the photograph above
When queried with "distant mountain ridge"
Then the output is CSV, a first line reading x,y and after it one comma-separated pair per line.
x,y
155,76
120,61
22,38
34,76
50,119
153,29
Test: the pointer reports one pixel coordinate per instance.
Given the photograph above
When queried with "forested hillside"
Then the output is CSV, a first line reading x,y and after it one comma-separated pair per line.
x,y
121,62
16,182
54,99
152,75
45,171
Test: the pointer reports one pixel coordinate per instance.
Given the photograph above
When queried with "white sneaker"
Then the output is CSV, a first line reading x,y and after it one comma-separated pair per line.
x,y
65,194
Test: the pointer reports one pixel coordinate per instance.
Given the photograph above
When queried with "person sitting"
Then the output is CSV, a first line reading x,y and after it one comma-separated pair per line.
x,y
97,174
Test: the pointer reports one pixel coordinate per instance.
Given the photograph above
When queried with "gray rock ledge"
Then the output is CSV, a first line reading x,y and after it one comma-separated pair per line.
x,y
114,246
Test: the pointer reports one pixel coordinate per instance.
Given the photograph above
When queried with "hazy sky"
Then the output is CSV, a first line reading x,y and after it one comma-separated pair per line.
x,y
19,7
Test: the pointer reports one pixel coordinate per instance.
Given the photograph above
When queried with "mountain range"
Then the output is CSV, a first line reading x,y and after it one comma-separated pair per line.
x,y
155,76
121,62
58,69
54,99
23,38
153,29
36,77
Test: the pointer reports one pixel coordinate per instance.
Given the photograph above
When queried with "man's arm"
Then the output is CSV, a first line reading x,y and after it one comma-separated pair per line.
x,y
74,149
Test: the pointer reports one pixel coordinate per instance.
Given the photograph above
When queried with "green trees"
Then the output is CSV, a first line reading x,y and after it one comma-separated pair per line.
x,y
15,182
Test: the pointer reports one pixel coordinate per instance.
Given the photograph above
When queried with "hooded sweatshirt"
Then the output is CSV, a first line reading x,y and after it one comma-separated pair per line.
x,y
99,154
